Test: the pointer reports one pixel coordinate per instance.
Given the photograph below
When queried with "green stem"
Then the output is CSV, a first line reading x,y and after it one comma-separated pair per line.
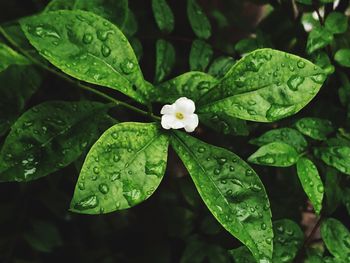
x,y
77,83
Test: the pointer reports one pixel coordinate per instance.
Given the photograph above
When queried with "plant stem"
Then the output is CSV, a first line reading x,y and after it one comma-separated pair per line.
x,y
77,83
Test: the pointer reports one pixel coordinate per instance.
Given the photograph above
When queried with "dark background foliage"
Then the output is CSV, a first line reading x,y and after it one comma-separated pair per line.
x,y
35,224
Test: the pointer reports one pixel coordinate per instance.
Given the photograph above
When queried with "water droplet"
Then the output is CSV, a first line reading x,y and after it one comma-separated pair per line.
x,y
87,38
301,64
96,170
249,172
103,188
217,171
201,149
81,185
263,226
41,31
320,188
106,51
294,82
115,176
116,158
128,67
318,78
115,135
87,203
222,160
232,168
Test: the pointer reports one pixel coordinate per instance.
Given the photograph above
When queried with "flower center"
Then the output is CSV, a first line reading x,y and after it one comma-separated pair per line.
x,y
179,116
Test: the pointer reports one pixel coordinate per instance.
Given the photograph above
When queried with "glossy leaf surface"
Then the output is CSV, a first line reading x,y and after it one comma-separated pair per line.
x,y
199,21
165,59
315,128
163,15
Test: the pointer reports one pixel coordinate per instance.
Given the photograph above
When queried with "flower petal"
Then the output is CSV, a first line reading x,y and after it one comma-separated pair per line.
x,y
191,122
185,105
168,109
167,121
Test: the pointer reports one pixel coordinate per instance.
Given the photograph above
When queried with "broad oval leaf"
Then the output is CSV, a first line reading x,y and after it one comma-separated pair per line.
x,y
231,190
88,48
336,237
311,182
286,135
200,55
49,137
336,156
342,56
319,38
10,57
165,59
336,22
278,154
315,128
55,5
122,169
163,15
265,85
199,21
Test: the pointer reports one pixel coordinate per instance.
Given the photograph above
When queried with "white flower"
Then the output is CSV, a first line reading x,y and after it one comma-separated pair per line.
x,y
180,115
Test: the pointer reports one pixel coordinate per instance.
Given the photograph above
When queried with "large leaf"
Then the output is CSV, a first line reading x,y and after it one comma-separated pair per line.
x,y
336,156
311,182
231,190
315,128
265,86
286,135
10,57
199,21
165,59
18,84
49,137
122,169
163,15
277,154
336,237
88,48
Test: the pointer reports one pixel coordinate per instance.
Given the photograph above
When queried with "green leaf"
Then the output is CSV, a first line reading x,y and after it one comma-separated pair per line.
x,y
221,66
131,25
278,154
336,237
286,135
163,15
265,86
192,85
336,22
114,11
305,2
10,57
199,21
287,241
18,84
231,190
137,47
49,137
88,48
315,128
319,37
343,57
311,182
321,59
346,198
121,171
200,55
337,157
165,59
333,192
55,5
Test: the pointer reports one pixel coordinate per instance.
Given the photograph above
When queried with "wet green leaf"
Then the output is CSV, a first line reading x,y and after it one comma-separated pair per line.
x,y
231,190
165,59
199,21
278,154
163,15
343,57
286,135
221,66
311,182
120,172
336,237
319,37
337,157
315,128
200,55
10,57
265,86
88,48
49,137
336,23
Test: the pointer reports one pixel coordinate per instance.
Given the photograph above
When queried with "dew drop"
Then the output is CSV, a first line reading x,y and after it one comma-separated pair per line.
x,y
87,38
294,82
87,203
106,51
128,67
103,188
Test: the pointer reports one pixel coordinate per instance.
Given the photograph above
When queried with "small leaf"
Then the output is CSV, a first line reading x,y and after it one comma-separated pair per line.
x,y
131,26
265,86
336,22
56,5
137,47
286,135
278,154
319,37
165,59
49,137
311,182
88,48
336,237
200,55
10,57
221,66
337,157
163,15
199,21
315,128
191,85
120,172
305,2
114,11
333,192
321,59
18,84
231,190
343,57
